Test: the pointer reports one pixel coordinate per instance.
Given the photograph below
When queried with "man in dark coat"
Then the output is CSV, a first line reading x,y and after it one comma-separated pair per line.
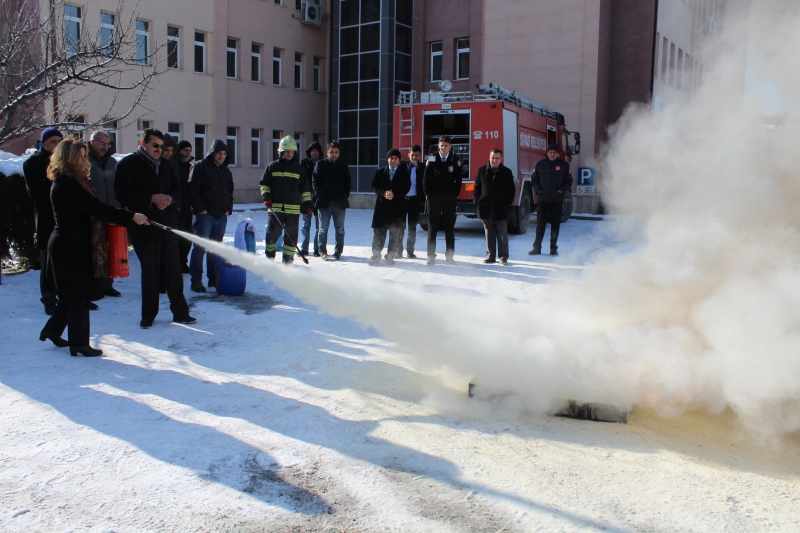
x,y
331,184
146,183
102,177
442,185
35,170
211,189
184,158
549,180
391,184
494,192
313,154
414,200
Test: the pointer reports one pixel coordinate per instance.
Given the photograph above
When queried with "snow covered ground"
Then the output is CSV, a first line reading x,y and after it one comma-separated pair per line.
x,y
269,416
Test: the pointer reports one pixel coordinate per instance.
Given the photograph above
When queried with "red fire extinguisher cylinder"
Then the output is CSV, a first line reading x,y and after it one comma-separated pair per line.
x,y
117,251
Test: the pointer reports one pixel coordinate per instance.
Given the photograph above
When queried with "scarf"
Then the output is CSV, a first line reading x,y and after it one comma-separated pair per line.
x,y
99,237
155,163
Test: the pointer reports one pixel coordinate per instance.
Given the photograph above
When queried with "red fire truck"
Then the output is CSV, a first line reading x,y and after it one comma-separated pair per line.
x,y
477,122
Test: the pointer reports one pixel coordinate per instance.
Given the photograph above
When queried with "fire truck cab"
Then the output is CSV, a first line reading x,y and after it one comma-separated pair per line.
x,y
477,122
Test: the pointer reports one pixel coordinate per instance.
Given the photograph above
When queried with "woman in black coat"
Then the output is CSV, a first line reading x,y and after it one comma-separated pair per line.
x,y
77,259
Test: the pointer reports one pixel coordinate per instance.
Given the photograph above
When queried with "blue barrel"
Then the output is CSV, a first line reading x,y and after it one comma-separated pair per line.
x,y
231,279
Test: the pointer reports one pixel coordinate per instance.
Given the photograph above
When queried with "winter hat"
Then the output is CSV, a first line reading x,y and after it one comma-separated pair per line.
x,y
184,144
553,146
394,151
50,132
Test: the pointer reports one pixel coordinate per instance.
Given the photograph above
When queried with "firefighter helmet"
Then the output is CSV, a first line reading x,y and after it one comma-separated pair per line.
x,y
287,145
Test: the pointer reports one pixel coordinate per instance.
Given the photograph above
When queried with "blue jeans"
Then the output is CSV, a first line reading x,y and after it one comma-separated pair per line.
x,y
337,212
210,228
305,232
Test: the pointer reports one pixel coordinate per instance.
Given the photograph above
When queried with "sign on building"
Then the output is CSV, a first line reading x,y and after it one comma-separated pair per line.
x,y
585,180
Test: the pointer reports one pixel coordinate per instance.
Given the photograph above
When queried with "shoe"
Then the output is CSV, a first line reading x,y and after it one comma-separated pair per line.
x,y
324,256
212,283
270,255
92,306
389,259
111,291
553,252
86,351
431,261
288,260
58,341
535,251
450,261
316,254
374,261
146,323
183,320
50,310
185,269
489,260
197,286
337,255
504,261
411,255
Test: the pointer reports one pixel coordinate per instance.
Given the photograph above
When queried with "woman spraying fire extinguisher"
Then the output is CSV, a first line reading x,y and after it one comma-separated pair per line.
x,y
77,259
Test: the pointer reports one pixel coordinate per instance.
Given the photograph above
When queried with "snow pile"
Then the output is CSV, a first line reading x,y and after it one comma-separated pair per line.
x,y
11,164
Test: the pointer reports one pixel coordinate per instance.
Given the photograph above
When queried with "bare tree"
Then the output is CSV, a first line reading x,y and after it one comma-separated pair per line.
x,y
46,53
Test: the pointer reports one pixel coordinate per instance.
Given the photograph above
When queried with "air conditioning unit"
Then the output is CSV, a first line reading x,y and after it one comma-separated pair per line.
x,y
710,26
311,14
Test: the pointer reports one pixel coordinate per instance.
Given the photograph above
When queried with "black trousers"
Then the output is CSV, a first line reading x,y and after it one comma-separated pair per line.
x,y
184,245
291,223
48,298
496,238
71,315
548,212
413,209
160,262
395,230
442,216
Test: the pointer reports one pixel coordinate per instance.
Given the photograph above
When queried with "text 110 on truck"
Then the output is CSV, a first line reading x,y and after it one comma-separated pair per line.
x,y
477,122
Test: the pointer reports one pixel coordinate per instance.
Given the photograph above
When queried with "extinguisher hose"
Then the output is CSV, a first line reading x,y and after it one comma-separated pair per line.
x,y
291,241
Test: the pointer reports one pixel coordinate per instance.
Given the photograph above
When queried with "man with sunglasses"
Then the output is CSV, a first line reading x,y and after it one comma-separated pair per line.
x,y
146,183
102,175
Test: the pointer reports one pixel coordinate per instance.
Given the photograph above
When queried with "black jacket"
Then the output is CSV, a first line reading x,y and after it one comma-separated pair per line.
x,y
308,164
388,211
35,170
211,186
286,185
494,194
102,176
136,182
331,181
442,177
549,177
184,170
70,270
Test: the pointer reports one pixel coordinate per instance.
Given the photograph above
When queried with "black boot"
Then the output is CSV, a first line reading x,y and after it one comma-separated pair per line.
x,y
58,341
86,351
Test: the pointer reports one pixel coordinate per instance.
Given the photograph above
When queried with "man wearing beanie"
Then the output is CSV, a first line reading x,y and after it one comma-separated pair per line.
x,y
184,158
550,179
391,184
35,170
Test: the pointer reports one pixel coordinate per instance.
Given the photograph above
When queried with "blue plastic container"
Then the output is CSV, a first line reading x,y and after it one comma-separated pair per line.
x,y
231,279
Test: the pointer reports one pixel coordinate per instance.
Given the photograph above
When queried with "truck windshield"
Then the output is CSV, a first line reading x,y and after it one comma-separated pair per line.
x,y
454,125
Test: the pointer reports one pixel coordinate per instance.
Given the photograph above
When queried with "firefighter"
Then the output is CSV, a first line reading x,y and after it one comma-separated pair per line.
x,y
550,179
441,183
286,192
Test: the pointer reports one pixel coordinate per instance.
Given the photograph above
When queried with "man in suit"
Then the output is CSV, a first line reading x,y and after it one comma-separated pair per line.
x,y
391,184
414,201
494,192
442,185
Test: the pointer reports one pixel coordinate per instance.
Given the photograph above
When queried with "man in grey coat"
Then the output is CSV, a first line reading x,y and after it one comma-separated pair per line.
x,y
102,176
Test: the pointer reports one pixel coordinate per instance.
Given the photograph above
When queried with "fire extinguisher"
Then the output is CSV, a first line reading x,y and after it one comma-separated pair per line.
x,y
117,251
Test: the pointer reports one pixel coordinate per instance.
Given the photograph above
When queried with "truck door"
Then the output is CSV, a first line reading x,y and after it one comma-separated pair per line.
x,y
511,142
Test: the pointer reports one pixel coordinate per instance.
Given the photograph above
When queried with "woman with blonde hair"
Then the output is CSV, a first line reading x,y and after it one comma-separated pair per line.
x,y
77,259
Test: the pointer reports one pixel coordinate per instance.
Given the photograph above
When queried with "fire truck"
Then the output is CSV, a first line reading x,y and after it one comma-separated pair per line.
x,y
493,117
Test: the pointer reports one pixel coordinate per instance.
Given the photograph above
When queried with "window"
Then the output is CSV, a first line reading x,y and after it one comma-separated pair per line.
x,y
672,64
276,66
255,147
174,129
279,2
255,63
318,74
298,4
276,141
72,29
657,55
316,137
680,69
76,128
436,61
298,70
231,141
142,125
107,31
232,58
199,141
200,52
298,138
462,59
664,47
173,47
142,42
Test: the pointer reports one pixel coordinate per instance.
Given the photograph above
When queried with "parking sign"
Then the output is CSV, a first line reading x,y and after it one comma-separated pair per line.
x,y
585,180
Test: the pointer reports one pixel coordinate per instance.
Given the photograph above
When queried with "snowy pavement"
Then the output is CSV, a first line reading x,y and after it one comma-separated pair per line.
x,y
267,415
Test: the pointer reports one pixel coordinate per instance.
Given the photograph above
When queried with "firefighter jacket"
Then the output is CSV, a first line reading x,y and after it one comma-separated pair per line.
x,y
285,183
443,177
549,177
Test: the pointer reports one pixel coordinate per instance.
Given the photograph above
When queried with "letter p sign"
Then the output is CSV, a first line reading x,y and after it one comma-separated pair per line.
x,y
585,180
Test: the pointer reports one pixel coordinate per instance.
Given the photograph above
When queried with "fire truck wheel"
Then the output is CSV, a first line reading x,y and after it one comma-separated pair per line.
x,y
523,216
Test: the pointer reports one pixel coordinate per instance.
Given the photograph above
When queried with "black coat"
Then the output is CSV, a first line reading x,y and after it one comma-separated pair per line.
x,y
549,177
135,184
184,169
442,177
494,194
331,181
70,270
211,186
388,211
308,165
35,170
